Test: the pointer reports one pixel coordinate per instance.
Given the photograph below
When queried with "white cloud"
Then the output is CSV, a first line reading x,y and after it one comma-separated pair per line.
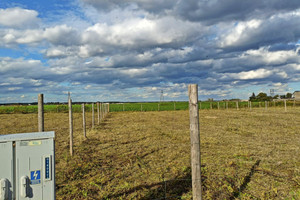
x,y
18,18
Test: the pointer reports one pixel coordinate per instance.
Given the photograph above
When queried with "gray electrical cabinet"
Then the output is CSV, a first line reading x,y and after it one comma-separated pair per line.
x,y
27,166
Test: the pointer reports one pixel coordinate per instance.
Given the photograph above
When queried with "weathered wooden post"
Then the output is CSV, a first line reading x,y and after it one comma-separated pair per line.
x,y
158,107
141,107
40,112
227,105
294,104
71,126
266,105
259,104
218,105
195,141
237,105
285,105
101,111
200,105
250,105
211,105
108,105
98,112
93,116
83,120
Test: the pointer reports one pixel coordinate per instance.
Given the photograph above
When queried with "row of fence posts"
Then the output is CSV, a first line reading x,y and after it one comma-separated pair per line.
x,y
102,111
249,105
194,130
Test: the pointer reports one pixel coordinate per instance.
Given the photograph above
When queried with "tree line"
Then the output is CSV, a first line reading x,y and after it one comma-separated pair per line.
x,y
264,97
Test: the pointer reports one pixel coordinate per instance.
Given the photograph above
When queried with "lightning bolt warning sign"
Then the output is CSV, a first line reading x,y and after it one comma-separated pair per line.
x,y
35,177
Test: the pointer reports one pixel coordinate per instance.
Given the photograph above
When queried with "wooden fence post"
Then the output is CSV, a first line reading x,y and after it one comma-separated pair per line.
x,y
40,112
101,112
93,116
218,105
158,107
98,112
195,142
71,126
250,105
83,120
294,104
211,105
285,105
237,105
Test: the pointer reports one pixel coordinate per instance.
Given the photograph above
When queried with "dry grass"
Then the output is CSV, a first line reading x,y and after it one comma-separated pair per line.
x,y
146,155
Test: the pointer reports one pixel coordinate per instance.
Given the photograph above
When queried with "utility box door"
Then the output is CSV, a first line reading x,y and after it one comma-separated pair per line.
x,y
34,161
6,170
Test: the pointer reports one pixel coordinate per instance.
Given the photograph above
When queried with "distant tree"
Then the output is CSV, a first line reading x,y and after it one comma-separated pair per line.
x,y
289,95
276,96
253,97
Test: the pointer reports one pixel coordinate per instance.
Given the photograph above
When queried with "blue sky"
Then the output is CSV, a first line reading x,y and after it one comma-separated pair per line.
x,y
130,50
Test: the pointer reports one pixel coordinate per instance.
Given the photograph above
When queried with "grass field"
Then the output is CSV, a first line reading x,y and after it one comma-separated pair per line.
x,y
146,155
152,106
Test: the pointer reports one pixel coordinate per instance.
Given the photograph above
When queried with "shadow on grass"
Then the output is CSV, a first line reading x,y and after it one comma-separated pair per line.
x,y
247,180
169,189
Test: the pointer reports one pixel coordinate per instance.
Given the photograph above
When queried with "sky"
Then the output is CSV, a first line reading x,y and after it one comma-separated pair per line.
x,y
132,50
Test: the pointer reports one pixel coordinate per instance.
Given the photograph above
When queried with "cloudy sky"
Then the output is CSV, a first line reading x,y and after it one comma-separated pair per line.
x,y
130,50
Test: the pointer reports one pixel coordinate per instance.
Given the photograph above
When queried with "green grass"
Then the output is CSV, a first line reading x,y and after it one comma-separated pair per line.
x,y
146,155
152,106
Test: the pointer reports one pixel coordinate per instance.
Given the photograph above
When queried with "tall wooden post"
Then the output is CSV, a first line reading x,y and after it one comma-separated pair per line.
x,y
83,120
195,141
40,112
101,111
71,126
93,116
294,104
237,105
285,106
218,105
98,112
250,104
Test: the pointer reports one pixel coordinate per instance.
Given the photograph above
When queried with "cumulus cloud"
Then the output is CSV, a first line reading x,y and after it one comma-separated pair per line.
x,y
135,45
18,18
257,33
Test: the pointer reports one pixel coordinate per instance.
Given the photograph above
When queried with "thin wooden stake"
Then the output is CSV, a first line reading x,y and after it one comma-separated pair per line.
x,y
83,120
98,112
93,116
285,106
195,142
40,112
71,126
